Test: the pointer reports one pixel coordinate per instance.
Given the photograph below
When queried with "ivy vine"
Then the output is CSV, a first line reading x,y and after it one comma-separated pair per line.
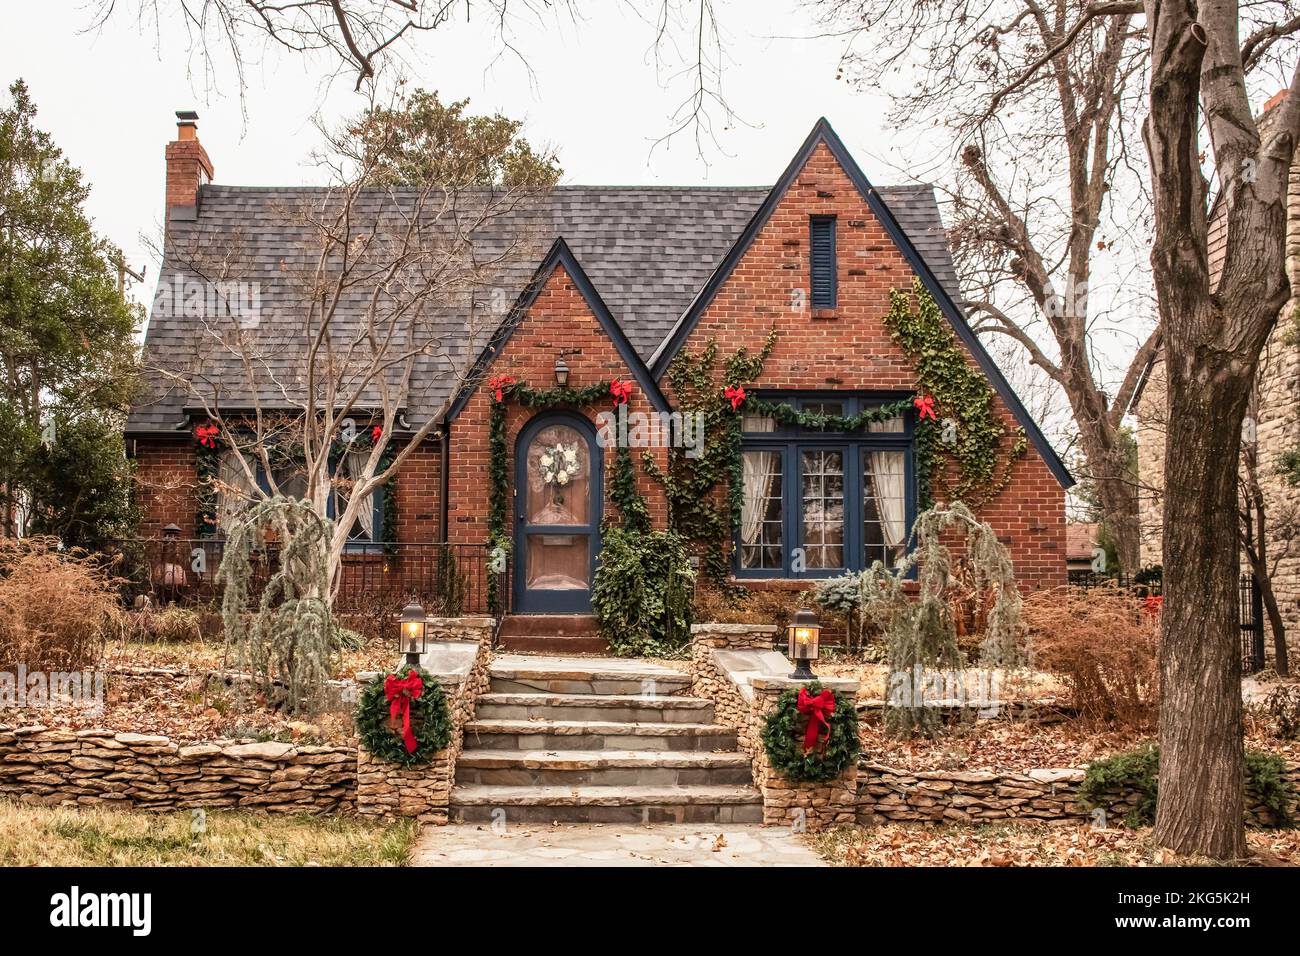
x,y
691,483
965,397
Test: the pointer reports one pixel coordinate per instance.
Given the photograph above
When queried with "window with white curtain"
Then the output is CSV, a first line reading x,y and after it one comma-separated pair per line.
x,y
819,502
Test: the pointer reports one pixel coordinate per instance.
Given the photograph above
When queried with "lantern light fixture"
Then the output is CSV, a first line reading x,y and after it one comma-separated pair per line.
x,y
413,631
804,635
561,371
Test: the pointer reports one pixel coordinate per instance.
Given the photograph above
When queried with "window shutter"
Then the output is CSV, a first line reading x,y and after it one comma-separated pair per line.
x,y
822,244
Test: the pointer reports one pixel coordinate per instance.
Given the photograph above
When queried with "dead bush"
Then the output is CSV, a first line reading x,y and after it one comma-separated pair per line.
x,y
163,625
56,607
1102,643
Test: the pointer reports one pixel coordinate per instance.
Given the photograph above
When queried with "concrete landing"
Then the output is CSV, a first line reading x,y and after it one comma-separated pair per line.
x,y
592,845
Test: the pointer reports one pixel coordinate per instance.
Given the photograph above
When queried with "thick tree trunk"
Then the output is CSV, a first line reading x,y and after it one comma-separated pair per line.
x,y
1119,505
1200,805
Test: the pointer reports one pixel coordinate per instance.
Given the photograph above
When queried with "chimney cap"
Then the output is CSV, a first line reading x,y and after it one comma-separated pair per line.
x,y
187,116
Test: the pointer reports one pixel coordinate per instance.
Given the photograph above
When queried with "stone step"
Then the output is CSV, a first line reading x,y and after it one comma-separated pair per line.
x,y
595,735
524,674
623,708
611,768
650,804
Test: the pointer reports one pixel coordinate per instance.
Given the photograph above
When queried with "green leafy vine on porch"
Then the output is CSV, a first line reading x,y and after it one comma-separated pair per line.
x,y
964,397
690,482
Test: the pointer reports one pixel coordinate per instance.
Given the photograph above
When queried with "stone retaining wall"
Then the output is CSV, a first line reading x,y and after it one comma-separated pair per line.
x,y
886,794
103,768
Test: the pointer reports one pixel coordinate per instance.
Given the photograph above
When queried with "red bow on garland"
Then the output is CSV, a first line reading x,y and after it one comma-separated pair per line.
x,y
818,709
400,691
735,395
621,390
925,405
376,432
207,435
498,383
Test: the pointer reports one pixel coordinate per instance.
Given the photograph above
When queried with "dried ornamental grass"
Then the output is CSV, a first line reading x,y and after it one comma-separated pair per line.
x,y
1102,643
56,607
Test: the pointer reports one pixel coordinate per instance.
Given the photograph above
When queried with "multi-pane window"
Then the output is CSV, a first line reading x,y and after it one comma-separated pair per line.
x,y
818,502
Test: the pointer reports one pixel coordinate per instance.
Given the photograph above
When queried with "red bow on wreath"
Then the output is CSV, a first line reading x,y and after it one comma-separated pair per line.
x,y
818,709
376,432
498,383
925,405
207,435
735,395
621,390
400,691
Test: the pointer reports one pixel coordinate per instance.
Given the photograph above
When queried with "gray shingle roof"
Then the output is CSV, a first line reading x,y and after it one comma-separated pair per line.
x,y
647,250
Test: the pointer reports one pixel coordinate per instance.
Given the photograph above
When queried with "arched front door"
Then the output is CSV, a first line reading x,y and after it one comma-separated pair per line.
x,y
558,481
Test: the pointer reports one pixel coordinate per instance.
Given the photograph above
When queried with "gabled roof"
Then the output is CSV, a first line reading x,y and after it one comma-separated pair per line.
x,y
823,134
559,256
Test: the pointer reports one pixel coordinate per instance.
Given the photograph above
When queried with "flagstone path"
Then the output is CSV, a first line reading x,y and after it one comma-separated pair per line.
x,y
586,844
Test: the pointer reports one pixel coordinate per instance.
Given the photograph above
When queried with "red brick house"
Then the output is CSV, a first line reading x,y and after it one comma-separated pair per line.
x,y
634,277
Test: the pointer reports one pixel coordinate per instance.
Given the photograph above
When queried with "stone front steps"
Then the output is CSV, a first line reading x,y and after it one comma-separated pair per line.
x,y
601,740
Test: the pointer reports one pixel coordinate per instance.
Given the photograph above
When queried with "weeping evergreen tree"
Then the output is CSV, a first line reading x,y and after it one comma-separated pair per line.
x,y
921,634
289,640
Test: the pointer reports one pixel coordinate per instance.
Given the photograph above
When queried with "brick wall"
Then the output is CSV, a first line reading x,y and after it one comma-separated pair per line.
x,y
849,347
558,319
165,484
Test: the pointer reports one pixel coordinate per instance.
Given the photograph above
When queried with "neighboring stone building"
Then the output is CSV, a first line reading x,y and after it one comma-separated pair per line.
x,y
1273,424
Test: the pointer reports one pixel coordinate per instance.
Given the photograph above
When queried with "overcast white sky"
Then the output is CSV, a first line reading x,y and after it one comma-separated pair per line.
x,y
108,97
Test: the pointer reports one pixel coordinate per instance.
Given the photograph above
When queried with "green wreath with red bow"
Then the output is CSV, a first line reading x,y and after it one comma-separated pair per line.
x,y
403,717
811,734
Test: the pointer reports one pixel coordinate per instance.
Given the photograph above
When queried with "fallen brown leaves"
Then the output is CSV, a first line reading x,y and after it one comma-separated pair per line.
x,y
1025,844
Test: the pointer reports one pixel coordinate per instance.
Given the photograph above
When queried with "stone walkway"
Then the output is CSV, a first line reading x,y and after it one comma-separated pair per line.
x,y
585,844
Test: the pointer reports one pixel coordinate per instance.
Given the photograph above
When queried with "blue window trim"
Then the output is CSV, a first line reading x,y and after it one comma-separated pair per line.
x,y
830,299
790,442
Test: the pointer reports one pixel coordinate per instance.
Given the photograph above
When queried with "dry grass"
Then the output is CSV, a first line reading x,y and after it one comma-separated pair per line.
x,y
1027,844
1102,642
56,608
58,836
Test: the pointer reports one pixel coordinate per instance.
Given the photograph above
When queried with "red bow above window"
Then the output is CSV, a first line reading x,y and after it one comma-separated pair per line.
x,y
207,435
818,709
498,383
621,390
925,405
735,395
375,433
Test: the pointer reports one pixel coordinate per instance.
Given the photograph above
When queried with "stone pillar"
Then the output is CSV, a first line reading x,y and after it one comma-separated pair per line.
x,y
810,805
461,668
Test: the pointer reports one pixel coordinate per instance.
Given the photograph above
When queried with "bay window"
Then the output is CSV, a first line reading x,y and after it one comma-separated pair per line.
x,y
817,502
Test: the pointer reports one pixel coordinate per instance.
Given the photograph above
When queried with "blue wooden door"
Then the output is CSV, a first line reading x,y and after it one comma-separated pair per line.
x,y
558,481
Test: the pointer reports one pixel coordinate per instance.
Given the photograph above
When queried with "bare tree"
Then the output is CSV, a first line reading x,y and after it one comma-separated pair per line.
x,y
391,286
1041,101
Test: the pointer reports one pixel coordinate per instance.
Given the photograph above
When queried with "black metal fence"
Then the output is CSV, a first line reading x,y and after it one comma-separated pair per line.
x,y
448,579
1255,651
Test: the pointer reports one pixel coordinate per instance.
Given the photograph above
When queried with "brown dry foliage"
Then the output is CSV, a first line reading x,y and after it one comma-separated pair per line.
x,y
56,608
1102,644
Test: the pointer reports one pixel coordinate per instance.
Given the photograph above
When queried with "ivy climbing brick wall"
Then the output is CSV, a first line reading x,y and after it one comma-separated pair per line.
x,y
558,319
849,347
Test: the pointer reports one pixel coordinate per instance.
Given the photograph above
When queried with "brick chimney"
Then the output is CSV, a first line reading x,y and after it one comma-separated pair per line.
x,y
188,168
1275,100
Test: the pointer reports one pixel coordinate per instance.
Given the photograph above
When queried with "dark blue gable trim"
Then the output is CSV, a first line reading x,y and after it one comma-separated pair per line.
x,y
559,255
823,133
